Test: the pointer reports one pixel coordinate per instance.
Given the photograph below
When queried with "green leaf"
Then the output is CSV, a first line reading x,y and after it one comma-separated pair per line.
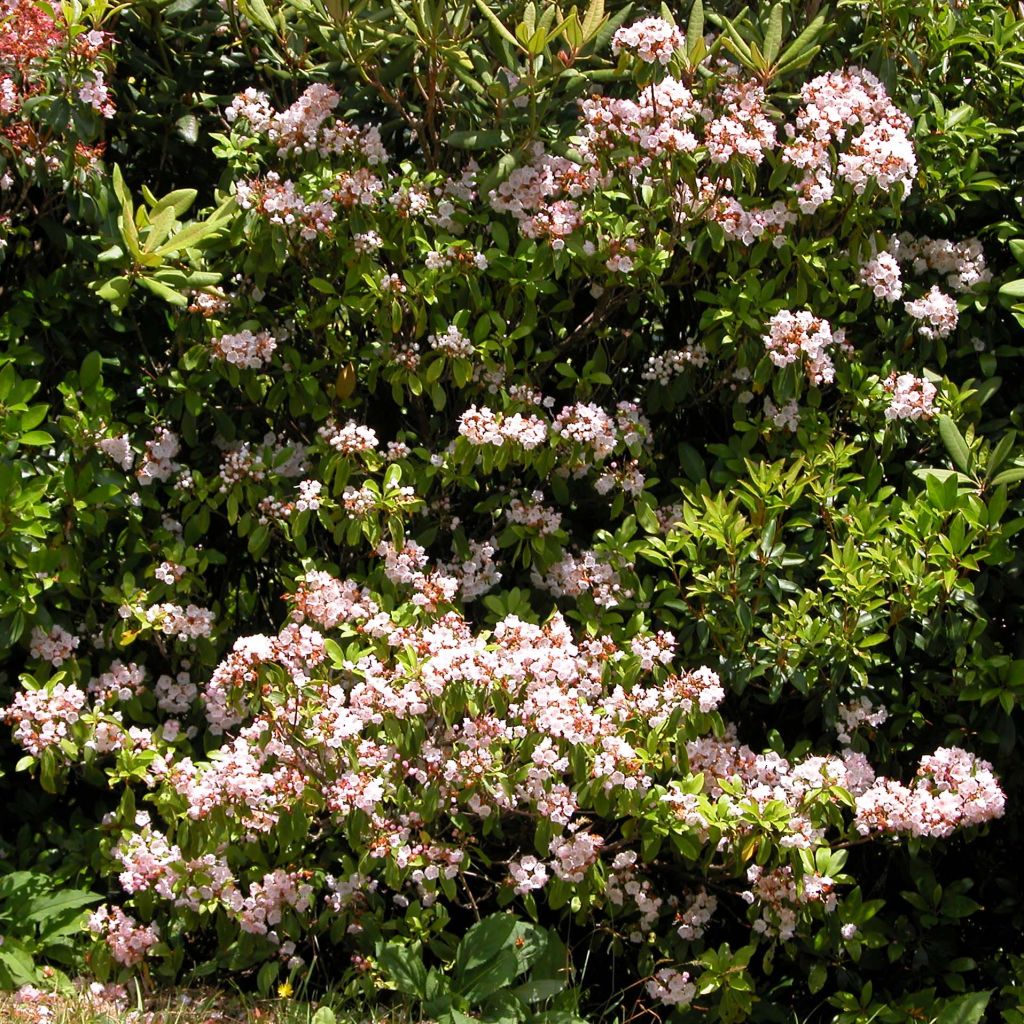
x,y
695,26
801,45
36,437
180,201
325,1015
42,908
955,444
1008,476
477,139
404,966
965,1009
1012,289
89,374
188,127
773,37
593,19
258,13
499,25
164,291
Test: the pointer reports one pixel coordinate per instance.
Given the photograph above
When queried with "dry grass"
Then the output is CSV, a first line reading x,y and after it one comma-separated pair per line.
x,y
191,1007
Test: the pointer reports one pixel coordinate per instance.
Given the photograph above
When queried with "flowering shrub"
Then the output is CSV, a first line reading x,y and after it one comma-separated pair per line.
x,y
559,479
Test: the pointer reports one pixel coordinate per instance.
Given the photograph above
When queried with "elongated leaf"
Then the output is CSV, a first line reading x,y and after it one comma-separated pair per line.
x,y
736,41
803,41
955,444
773,37
477,139
259,14
498,24
593,18
1001,452
159,229
695,26
164,291
965,1009
179,201
1008,476
43,907
188,236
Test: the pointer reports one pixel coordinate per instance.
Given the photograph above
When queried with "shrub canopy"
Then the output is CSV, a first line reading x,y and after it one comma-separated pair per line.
x,y
546,478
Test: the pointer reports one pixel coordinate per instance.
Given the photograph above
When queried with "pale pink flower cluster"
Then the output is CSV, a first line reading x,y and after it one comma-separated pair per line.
x,y
175,694
785,417
246,461
802,336
658,123
779,898
209,304
483,427
478,572
97,95
410,201
952,789
119,449
627,476
911,398
119,682
671,987
452,342
404,566
961,263
309,498
528,873
297,649
169,572
882,275
158,460
351,439
590,426
573,576
234,781
360,187
529,194
534,514
834,106
658,649
32,1005
10,98
653,40
619,766
359,502
41,718
268,899
574,855
625,881
145,856
282,204
129,941
245,349
744,129
857,713
345,893
189,623
55,645
329,602
748,226
307,126
935,312
694,918
664,367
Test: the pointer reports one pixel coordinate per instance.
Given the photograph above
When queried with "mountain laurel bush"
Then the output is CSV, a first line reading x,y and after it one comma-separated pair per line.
x,y
535,477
